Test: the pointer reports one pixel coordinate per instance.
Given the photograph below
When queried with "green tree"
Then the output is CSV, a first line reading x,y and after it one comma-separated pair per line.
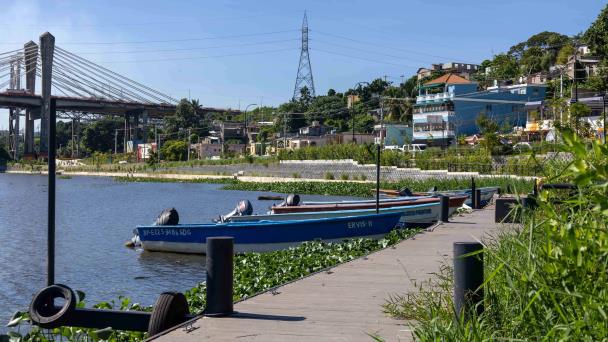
x,y
324,108
503,67
489,129
597,35
564,54
577,111
99,136
187,115
174,150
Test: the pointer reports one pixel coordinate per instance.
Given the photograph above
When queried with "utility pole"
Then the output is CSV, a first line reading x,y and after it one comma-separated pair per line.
x,y
352,115
188,144
574,73
284,130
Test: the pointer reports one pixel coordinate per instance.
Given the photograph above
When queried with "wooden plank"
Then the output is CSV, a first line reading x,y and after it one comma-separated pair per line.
x,y
344,304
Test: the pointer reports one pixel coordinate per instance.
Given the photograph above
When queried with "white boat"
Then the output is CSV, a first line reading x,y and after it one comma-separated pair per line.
x,y
412,215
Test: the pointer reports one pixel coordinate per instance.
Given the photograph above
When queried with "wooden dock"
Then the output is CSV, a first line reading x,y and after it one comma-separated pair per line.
x,y
344,303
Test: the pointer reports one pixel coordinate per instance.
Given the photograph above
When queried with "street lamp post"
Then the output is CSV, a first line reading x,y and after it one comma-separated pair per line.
x,y
247,108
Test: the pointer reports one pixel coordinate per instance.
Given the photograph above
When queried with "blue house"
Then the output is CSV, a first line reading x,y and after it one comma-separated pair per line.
x,y
448,107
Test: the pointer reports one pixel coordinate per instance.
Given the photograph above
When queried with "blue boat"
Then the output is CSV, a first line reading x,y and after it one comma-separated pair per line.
x,y
265,236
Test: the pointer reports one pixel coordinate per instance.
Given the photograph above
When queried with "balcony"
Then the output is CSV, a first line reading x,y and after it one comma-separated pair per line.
x,y
434,98
435,108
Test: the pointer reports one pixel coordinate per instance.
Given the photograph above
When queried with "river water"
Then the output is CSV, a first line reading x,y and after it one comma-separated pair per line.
x,y
95,216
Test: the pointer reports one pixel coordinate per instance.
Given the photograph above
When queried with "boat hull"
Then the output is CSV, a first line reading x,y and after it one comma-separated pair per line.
x,y
413,215
455,202
487,194
265,236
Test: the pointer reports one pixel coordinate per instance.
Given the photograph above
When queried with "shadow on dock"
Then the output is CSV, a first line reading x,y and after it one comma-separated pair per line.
x,y
263,317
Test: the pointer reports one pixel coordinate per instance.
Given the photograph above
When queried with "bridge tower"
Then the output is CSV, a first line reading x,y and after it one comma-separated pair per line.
x,y
30,52
14,113
47,50
304,78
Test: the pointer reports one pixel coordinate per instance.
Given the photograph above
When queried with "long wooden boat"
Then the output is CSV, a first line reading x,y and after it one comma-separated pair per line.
x,y
455,202
264,236
487,193
411,215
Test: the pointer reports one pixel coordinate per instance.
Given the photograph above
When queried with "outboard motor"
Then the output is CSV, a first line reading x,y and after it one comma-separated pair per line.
x,y
292,200
405,192
243,208
168,217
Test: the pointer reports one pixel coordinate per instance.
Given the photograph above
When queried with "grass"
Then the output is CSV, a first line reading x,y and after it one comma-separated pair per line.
x,y
544,281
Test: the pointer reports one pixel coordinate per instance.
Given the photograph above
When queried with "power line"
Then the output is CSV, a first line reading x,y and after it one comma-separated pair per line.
x,y
361,58
199,57
180,40
187,49
382,45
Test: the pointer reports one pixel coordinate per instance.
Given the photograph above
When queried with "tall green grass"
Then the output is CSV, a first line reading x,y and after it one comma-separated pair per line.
x,y
546,280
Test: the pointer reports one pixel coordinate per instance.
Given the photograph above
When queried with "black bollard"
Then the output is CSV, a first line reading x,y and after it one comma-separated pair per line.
x,y
220,254
477,203
468,277
473,192
445,207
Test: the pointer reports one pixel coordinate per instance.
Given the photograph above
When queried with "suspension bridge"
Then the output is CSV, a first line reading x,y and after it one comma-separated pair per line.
x,y
82,90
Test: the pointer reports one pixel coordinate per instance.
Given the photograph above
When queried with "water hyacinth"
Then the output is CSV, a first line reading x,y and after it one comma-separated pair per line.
x,y
257,272
253,273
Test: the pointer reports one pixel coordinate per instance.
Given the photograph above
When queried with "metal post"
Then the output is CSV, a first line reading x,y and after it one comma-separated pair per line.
x,y
219,271
51,195
604,118
378,149
468,278
47,48
445,207
477,203
473,192
115,141
126,128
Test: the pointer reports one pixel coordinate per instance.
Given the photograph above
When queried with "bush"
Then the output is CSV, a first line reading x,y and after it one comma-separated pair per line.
x,y
174,150
329,175
544,281
4,156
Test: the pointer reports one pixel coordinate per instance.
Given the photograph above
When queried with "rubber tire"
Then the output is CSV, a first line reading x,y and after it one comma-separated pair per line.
x,y
39,305
171,309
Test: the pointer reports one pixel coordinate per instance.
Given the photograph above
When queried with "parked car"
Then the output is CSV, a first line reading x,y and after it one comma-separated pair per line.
x,y
522,146
414,148
392,147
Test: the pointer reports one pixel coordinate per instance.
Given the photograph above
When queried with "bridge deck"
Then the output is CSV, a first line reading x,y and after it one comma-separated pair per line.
x,y
346,303
94,105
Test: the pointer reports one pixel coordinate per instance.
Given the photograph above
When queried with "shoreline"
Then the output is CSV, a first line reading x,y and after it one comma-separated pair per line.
x,y
250,179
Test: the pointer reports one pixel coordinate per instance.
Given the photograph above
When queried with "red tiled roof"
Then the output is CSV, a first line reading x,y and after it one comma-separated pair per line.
x,y
448,79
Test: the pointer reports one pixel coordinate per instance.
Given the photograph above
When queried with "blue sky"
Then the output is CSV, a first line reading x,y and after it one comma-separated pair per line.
x,y
247,51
